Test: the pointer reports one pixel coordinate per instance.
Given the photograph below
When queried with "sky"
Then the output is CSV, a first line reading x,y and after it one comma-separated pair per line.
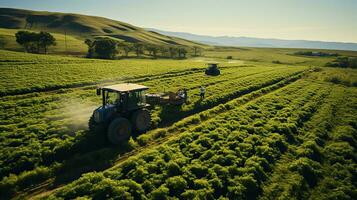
x,y
323,20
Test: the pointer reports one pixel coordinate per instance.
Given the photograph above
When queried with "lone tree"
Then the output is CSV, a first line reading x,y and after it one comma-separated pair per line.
x,y
105,48
45,40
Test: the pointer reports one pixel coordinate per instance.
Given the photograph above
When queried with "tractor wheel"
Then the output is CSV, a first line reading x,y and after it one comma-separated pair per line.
x,y
141,120
96,128
119,130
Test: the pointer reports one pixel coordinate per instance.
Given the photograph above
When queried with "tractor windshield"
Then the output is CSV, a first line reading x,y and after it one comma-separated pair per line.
x,y
125,100
112,97
136,98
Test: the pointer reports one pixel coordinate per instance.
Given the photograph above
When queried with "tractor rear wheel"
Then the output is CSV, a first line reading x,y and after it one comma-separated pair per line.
x,y
141,120
119,130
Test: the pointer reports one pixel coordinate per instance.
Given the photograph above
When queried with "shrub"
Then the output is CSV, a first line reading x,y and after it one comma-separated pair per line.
x,y
160,193
176,185
309,169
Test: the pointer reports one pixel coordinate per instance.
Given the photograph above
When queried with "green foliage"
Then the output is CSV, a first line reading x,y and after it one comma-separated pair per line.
x,y
317,54
33,42
176,185
344,62
104,48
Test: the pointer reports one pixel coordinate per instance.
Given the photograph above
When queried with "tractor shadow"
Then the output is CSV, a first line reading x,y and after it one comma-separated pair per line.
x,y
92,153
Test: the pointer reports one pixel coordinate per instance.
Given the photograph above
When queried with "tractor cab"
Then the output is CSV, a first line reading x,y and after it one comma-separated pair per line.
x,y
123,110
124,97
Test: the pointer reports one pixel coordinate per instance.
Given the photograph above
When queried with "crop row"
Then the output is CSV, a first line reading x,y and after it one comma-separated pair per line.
x,y
228,156
323,152
47,126
24,73
53,138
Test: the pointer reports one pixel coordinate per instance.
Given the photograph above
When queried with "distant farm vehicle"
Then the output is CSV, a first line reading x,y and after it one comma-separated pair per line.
x,y
212,69
125,108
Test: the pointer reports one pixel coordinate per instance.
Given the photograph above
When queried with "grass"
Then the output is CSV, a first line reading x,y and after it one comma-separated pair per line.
x,y
84,26
273,55
75,46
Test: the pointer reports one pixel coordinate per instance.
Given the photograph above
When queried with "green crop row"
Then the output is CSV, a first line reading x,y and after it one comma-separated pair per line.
x,y
229,156
321,161
24,73
42,122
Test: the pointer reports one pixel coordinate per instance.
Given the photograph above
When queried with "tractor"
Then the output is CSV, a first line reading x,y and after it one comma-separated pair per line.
x,y
125,108
212,69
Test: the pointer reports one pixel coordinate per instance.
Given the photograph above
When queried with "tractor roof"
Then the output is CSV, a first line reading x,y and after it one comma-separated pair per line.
x,y
125,87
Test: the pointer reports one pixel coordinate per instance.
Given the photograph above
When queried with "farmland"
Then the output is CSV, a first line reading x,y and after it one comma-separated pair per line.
x,y
257,117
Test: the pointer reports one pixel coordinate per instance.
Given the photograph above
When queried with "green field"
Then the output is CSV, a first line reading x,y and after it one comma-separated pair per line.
x,y
264,131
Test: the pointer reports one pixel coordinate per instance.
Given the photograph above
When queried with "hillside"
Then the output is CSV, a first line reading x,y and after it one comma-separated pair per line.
x,y
83,26
260,42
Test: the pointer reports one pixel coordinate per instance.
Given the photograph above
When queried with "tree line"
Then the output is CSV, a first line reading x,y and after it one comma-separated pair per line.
x,y
107,48
34,42
343,62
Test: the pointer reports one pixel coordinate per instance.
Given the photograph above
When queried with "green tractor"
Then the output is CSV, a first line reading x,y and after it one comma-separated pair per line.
x,y
212,69
124,109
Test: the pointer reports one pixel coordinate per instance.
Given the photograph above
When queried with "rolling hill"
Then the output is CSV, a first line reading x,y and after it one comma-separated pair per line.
x,y
83,26
260,42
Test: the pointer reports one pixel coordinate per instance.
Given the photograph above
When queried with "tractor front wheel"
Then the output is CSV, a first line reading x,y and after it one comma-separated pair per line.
x,y
119,130
96,128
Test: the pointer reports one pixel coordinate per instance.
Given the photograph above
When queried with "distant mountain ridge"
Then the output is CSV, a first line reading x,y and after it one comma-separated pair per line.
x,y
259,42
83,26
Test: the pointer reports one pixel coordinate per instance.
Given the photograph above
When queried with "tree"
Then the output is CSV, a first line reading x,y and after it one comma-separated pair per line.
x,y
164,51
33,42
173,51
105,48
182,51
45,40
90,45
139,49
152,49
29,40
197,51
127,47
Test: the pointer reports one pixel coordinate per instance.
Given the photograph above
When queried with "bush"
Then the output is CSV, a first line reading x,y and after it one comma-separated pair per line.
x,y
309,169
176,185
160,193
